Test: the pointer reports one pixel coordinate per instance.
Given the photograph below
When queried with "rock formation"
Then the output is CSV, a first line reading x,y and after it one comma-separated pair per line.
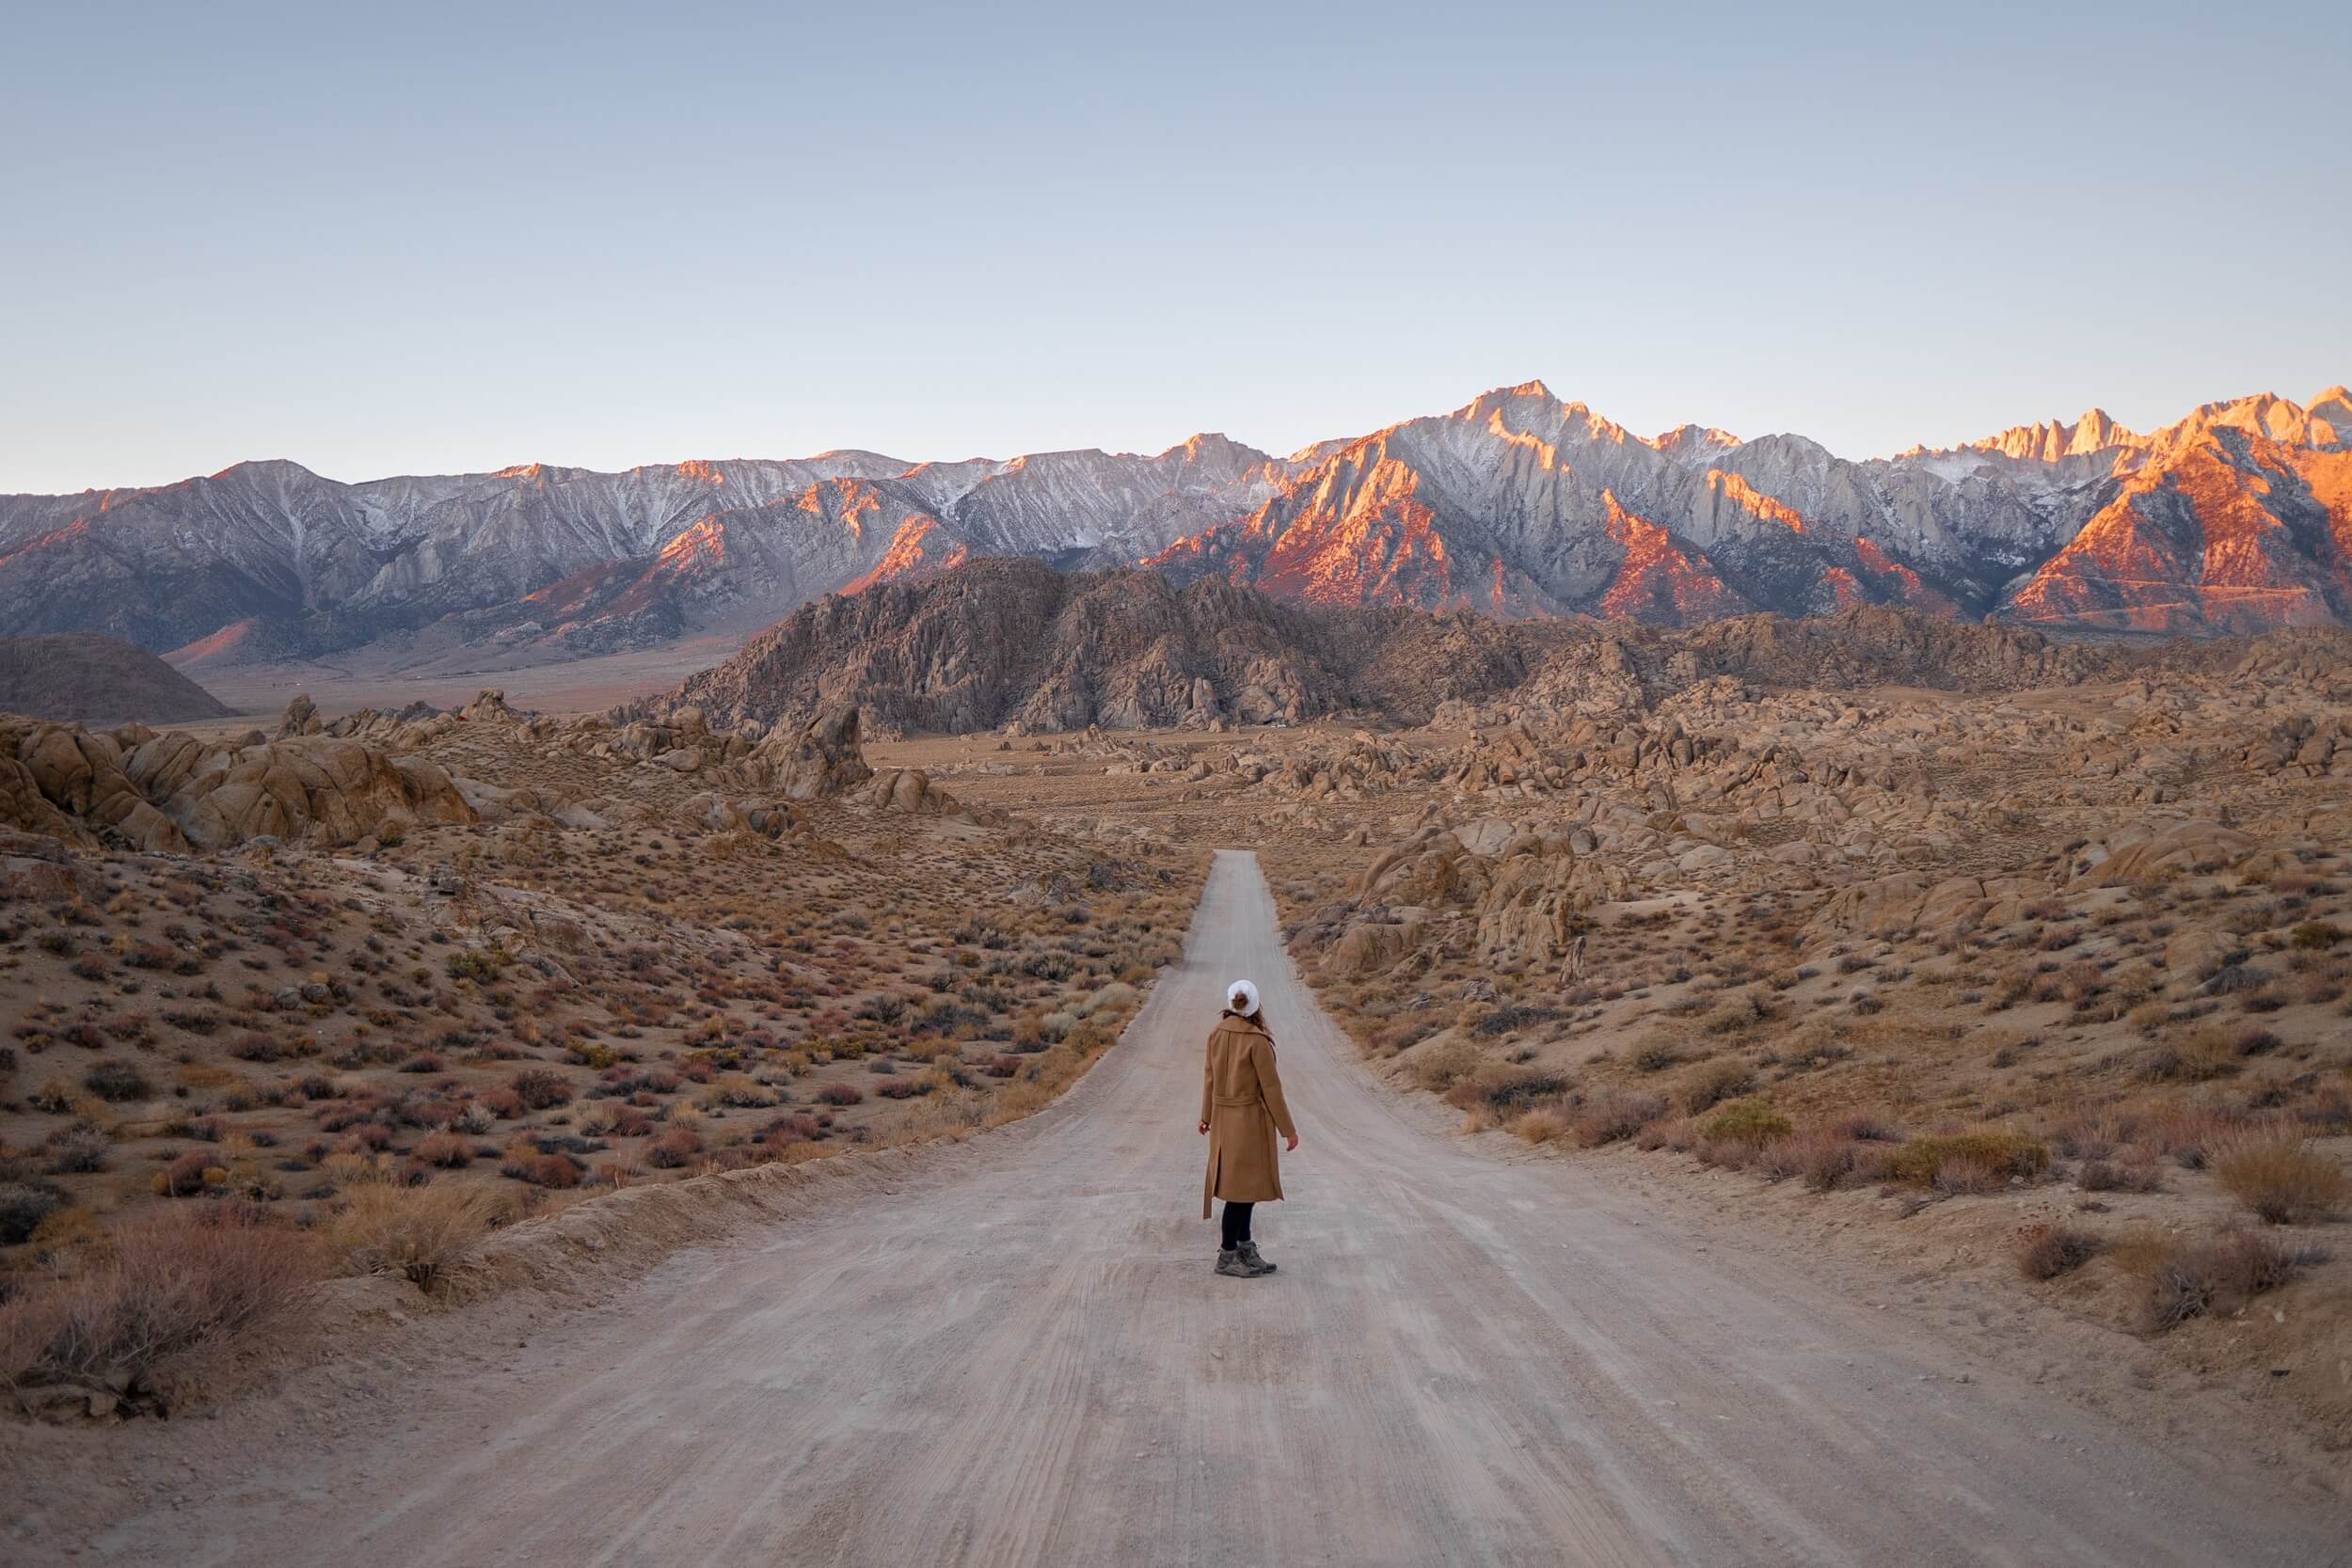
x,y
171,791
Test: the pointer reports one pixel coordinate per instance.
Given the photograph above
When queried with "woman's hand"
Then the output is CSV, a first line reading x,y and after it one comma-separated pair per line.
x,y
1290,1142
1204,1128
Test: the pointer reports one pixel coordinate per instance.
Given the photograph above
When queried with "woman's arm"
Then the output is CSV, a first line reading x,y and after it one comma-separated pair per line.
x,y
1270,1088
1204,1089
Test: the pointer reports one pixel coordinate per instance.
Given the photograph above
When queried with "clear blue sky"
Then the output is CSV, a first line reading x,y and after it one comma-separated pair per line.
x,y
419,237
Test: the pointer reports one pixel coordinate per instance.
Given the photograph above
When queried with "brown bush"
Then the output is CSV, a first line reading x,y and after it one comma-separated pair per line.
x,y
1613,1114
1822,1158
2184,1280
189,1175
1751,1122
540,1089
674,1148
1967,1175
449,1150
2134,1176
1710,1084
1539,1126
1923,1160
418,1232
2046,1251
2281,1178
172,1287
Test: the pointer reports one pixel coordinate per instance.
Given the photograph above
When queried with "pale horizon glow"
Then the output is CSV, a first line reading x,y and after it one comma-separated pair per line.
x,y
463,238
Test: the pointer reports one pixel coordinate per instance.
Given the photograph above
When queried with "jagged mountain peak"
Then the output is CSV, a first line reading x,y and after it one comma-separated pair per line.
x,y
1515,504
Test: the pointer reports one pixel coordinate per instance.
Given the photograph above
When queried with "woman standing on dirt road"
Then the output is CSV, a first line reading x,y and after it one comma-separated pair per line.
x,y
1241,1110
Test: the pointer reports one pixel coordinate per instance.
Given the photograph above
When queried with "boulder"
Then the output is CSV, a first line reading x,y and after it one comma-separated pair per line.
x,y
823,760
301,718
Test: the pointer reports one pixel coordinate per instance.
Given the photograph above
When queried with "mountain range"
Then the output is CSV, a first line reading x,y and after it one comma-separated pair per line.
x,y
2236,518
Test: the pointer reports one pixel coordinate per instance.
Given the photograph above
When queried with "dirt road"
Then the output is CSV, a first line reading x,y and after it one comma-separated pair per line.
x,y
1027,1360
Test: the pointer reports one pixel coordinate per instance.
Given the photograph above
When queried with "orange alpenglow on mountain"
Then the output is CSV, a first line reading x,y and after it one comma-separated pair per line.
x,y
2233,519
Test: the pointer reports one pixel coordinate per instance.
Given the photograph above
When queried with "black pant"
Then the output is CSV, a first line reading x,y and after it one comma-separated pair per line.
x,y
1236,1218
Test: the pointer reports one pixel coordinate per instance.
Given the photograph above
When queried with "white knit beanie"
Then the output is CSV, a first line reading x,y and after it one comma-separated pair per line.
x,y
1242,997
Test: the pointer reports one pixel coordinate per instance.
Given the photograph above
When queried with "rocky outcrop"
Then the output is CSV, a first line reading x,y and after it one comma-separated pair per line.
x,y
820,761
1015,645
171,791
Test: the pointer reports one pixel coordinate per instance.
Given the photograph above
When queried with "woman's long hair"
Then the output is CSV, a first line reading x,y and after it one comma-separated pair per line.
x,y
1257,1018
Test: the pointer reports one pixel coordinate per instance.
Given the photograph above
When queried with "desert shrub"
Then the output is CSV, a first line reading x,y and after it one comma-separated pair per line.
x,y
170,1287
2196,1056
22,1206
255,1045
448,1150
1507,1092
77,1150
2108,1176
1613,1114
1967,1175
1439,1066
2183,1279
1822,1158
1539,1126
674,1148
840,1094
1710,1084
742,1091
539,1089
526,1164
2282,1179
420,1233
1747,1121
2046,1251
189,1175
482,965
1655,1054
1922,1160
902,1088
115,1080
2317,935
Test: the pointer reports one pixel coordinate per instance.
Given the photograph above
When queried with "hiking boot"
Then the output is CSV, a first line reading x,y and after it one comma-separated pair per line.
x,y
1248,1251
1230,1262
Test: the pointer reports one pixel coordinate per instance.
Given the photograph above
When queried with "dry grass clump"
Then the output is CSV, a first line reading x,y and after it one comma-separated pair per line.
x,y
1710,1084
2045,1251
168,1288
1538,1126
1959,1160
2119,1175
2183,1278
420,1233
1747,1121
1438,1067
2281,1178
1613,1114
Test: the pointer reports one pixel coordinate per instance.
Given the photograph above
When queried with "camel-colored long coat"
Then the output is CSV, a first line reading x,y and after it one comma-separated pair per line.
x,y
1241,1100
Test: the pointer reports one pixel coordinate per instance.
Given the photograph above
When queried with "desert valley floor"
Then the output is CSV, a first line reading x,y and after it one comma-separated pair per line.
x,y
1748,1118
